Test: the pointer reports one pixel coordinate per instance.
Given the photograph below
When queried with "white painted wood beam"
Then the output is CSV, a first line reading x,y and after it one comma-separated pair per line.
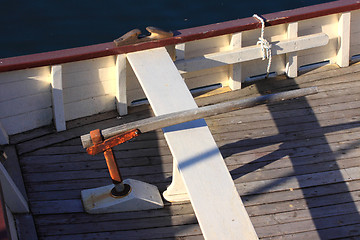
x,y
58,98
121,97
291,58
198,159
235,76
177,192
250,53
4,138
12,195
342,58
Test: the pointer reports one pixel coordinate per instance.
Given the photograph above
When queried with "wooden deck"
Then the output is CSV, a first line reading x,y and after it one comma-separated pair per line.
x,y
296,166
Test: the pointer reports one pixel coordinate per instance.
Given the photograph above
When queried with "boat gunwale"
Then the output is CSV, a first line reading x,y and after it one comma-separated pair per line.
x,y
180,36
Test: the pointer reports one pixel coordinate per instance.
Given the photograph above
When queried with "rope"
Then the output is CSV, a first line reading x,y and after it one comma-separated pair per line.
x,y
265,45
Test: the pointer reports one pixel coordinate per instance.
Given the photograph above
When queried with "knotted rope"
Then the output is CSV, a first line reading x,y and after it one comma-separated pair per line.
x,y
265,45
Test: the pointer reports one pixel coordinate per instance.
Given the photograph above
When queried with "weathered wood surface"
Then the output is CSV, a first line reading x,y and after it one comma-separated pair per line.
x,y
170,119
295,164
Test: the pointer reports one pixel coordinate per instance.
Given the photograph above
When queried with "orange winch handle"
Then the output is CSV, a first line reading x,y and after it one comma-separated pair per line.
x,y
105,147
101,146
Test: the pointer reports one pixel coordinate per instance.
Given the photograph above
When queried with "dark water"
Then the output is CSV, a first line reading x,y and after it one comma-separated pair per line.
x,y
36,26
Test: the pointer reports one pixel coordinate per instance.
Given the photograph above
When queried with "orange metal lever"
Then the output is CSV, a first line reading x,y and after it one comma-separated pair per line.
x,y
101,146
105,147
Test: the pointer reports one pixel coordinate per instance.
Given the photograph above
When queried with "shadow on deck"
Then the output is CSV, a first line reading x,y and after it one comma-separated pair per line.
x,y
296,165
313,163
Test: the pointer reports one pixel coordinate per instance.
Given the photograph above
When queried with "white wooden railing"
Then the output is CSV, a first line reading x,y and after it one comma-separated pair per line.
x,y
42,95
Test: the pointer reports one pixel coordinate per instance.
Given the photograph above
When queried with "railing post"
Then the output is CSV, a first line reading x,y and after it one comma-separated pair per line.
x,y
180,51
343,53
235,76
292,58
58,98
121,98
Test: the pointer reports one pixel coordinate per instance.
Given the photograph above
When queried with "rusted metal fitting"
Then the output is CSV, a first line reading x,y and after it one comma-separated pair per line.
x,y
120,189
133,36
109,143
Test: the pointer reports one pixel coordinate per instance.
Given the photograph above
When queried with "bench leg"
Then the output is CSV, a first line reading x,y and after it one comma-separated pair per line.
x,y
176,192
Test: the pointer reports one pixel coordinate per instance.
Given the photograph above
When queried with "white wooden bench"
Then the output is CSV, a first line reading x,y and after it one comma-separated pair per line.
x,y
197,159
239,55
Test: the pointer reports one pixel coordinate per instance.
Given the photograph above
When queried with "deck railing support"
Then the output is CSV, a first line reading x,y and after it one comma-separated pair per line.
x,y
121,98
58,98
235,76
344,40
291,58
176,192
180,51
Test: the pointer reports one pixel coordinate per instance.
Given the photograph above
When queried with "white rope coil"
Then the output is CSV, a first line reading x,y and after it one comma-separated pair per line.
x,y
265,45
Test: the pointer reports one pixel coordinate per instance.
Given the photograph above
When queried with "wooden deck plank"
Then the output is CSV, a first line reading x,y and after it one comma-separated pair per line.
x,y
173,209
342,232
160,233
266,159
303,226
247,188
50,139
323,113
70,189
271,152
335,126
280,212
76,157
318,194
275,220
296,167
121,225
266,144
118,225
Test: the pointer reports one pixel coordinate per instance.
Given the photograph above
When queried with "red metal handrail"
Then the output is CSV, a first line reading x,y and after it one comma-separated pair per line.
x,y
180,36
